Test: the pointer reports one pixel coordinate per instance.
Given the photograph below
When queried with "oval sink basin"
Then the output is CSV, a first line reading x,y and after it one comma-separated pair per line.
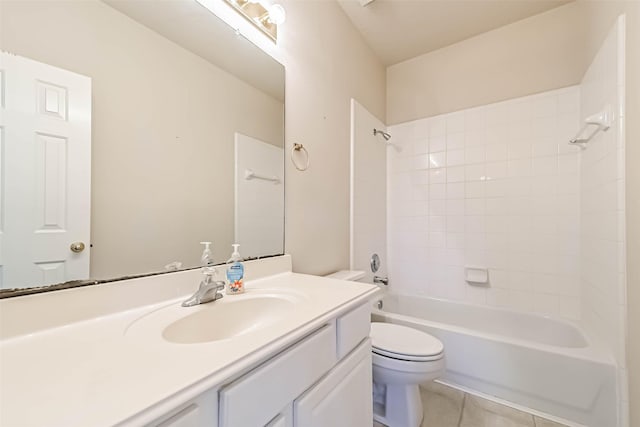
x,y
226,318
223,320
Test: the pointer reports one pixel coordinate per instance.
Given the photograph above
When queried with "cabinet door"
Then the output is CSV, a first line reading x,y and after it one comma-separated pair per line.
x,y
283,419
199,412
343,397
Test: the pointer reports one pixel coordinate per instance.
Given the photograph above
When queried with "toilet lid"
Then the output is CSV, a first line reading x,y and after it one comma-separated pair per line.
x,y
404,343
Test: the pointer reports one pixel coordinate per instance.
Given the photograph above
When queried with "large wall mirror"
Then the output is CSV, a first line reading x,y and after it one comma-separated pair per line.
x,y
132,131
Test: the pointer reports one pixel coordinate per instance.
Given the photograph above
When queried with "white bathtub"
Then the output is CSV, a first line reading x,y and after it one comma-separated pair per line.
x,y
537,362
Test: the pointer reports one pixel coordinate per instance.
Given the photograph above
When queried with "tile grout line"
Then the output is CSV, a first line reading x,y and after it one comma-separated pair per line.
x,y
464,402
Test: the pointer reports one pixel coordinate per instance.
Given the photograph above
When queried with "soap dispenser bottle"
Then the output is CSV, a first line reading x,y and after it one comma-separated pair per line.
x,y
207,256
235,272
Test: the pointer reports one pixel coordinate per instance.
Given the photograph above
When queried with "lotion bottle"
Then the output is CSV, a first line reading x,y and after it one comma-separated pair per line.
x,y
206,258
235,272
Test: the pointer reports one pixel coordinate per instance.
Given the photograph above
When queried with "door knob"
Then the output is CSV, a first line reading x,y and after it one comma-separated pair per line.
x,y
77,247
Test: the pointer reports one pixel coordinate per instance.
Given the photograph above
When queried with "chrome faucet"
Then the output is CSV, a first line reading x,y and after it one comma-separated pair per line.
x,y
383,280
209,289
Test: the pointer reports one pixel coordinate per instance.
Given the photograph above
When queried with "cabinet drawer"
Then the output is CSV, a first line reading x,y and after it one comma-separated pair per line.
x,y
255,398
352,328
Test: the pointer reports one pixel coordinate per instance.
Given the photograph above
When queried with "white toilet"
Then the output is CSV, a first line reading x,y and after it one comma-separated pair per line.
x,y
403,358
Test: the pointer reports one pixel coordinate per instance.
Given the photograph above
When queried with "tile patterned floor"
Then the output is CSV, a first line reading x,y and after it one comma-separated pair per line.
x,y
448,407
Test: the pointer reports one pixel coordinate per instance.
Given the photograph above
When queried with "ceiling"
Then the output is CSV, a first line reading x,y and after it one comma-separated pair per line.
x,y
398,30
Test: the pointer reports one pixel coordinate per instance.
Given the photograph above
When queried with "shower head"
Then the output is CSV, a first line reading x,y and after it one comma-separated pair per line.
x,y
384,134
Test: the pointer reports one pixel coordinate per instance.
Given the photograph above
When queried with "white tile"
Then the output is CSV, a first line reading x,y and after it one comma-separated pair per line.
x,y
521,300
474,241
497,134
474,189
496,114
569,307
474,172
544,127
421,161
474,224
455,174
455,141
519,149
496,206
474,154
421,146
476,295
546,303
519,167
437,144
437,160
496,170
544,106
545,166
437,223
419,177
455,157
437,191
455,224
498,297
474,207
455,241
437,206
455,190
455,122
569,100
437,127
455,207
475,138
437,240
473,119
496,188
544,147
496,152
438,176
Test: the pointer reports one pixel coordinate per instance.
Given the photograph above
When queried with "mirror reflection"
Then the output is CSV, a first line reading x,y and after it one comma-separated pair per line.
x,y
131,132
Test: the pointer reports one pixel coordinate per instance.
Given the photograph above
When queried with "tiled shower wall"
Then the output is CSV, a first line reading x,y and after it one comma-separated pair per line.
x,y
603,267
495,186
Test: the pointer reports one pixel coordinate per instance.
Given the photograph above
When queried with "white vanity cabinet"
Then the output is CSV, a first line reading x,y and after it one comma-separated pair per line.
x,y
201,411
322,380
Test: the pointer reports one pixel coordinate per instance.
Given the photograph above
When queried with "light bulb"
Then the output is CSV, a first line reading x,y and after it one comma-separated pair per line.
x,y
277,14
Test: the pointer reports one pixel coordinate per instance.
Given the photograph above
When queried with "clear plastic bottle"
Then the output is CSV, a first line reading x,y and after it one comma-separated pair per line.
x,y
207,256
235,272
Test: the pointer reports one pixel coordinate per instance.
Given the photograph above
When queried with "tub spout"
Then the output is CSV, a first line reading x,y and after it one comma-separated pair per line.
x,y
383,280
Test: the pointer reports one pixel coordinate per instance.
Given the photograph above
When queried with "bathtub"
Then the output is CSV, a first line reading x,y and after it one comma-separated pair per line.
x,y
533,361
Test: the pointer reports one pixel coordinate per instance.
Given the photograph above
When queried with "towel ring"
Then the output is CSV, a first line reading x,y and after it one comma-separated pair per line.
x,y
300,147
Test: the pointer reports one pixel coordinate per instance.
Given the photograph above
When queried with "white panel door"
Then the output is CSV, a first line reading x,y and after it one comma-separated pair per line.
x,y
45,132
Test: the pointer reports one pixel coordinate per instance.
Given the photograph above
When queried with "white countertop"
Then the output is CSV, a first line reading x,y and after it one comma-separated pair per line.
x,y
91,373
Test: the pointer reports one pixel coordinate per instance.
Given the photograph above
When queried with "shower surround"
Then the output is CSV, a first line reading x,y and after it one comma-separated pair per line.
x,y
498,186
495,186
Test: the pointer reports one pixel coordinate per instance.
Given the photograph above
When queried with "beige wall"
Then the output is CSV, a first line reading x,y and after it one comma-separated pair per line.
x,y
327,63
537,54
163,128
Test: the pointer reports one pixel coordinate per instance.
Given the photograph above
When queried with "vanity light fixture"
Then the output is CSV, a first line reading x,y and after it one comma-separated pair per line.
x,y
263,14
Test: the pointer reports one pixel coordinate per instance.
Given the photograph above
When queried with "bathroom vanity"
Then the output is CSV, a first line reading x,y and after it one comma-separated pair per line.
x,y
294,350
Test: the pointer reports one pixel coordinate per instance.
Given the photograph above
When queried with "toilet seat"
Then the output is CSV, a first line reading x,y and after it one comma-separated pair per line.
x,y
404,343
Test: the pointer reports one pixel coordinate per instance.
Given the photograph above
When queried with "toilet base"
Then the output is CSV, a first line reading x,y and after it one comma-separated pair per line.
x,y
402,407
